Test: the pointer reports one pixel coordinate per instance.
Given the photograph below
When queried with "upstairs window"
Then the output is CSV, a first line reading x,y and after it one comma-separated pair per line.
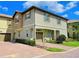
x,y
9,20
58,21
28,15
16,18
46,17
19,34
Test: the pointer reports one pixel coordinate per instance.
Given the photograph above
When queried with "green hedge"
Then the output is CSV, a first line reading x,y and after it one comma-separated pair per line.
x,y
30,42
26,41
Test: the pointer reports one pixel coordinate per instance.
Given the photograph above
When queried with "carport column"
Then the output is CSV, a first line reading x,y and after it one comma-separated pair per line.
x,y
11,37
55,34
34,33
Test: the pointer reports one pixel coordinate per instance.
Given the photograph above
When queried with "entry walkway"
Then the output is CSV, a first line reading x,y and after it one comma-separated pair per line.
x,y
52,45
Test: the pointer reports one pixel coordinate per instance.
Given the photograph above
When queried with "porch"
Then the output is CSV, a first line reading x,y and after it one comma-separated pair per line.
x,y
45,34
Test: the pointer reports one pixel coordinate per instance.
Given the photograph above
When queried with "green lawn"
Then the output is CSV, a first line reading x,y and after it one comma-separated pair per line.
x,y
72,43
54,49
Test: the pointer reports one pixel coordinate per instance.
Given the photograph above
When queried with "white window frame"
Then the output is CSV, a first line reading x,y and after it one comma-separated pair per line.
x,y
58,20
46,17
28,15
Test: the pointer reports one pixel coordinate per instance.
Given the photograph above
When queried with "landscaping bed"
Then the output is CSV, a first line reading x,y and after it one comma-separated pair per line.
x,y
55,49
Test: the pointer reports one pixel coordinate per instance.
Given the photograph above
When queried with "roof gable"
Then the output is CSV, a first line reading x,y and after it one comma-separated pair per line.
x,y
16,13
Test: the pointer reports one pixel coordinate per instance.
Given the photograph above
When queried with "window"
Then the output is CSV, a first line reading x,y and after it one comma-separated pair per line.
x,y
27,16
58,21
16,18
19,34
9,20
9,25
46,17
27,35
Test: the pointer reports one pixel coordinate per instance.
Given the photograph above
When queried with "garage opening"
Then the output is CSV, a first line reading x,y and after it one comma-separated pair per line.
x,y
5,36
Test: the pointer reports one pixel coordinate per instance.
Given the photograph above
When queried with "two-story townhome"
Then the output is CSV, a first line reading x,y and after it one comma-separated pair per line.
x,y
36,23
5,27
73,29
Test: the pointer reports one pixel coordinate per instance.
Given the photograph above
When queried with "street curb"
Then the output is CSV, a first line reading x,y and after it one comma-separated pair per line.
x,y
56,52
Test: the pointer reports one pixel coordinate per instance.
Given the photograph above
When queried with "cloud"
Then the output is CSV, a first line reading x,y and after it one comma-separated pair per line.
x,y
51,5
4,8
65,15
76,12
58,7
71,5
29,3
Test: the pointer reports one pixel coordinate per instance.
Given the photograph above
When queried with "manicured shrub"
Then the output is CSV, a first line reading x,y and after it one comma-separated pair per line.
x,y
61,38
19,40
50,41
26,41
30,42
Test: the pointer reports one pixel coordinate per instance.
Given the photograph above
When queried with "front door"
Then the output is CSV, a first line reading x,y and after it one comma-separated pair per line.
x,y
57,33
39,39
39,36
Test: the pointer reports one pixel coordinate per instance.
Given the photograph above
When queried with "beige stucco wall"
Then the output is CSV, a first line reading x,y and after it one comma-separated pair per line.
x,y
51,24
4,25
19,24
28,27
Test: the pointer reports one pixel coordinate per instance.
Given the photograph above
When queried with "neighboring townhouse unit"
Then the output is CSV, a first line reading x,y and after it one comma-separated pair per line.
x,y
36,23
5,27
73,29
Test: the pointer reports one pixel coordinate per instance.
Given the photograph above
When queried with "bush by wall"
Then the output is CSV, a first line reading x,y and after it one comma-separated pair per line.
x,y
26,41
61,38
30,42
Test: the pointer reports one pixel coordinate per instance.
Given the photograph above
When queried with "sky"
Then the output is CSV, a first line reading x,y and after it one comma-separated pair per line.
x,y
67,9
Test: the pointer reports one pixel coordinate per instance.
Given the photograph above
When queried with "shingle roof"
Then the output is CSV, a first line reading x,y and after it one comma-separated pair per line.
x,y
34,7
7,16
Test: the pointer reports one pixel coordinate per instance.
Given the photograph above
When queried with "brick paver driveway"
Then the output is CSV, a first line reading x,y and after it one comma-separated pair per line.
x,y
14,50
8,49
74,53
